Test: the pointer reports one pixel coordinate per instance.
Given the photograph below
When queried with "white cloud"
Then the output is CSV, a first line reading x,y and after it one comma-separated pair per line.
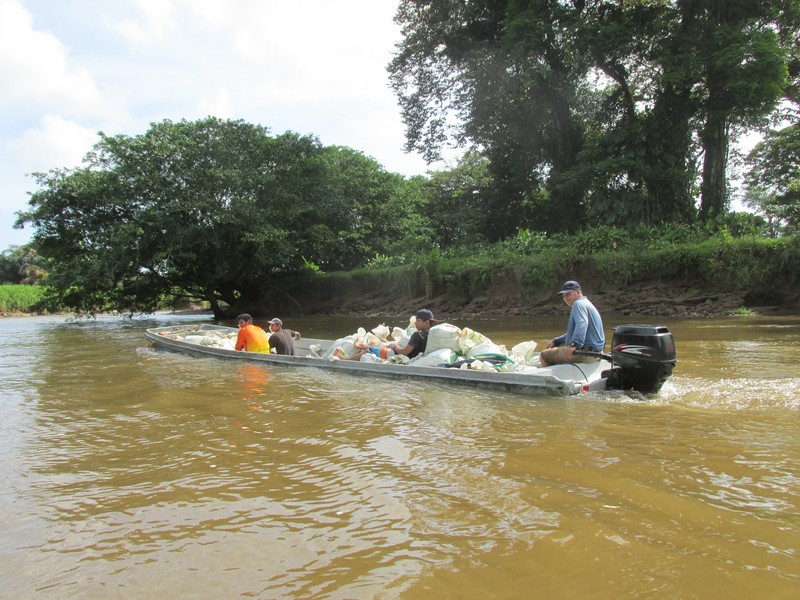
x,y
35,70
155,23
56,142
72,68
219,106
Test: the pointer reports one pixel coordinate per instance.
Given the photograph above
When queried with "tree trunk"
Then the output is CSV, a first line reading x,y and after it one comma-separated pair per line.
x,y
216,307
713,190
668,172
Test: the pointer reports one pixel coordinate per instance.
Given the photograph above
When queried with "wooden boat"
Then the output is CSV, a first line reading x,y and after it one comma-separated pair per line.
x,y
645,372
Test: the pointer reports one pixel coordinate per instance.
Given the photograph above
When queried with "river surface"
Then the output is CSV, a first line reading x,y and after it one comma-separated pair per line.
x,y
128,472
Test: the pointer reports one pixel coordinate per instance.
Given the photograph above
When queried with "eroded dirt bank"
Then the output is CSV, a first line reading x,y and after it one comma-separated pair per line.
x,y
667,299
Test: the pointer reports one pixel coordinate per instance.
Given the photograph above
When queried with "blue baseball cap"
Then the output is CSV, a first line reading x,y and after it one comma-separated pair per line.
x,y
569,286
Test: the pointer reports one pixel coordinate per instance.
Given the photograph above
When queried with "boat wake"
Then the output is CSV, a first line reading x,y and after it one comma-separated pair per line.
x,y
732,394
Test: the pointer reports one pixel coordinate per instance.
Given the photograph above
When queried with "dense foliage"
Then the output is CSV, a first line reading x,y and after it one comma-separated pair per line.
x,y
22,264
593,110
592,128
21,298
212,210
774,181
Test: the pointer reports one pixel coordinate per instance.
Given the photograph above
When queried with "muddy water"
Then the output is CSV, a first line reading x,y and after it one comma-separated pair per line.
x,y
128,472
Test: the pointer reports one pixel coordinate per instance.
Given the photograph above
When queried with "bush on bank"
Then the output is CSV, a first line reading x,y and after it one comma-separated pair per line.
x,y
765,271
20,298
755,266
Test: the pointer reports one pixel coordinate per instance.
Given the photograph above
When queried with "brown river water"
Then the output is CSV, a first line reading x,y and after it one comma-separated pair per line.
x,y
128,472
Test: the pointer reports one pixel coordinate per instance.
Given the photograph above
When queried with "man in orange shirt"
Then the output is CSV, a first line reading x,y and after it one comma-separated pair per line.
x,y
251,337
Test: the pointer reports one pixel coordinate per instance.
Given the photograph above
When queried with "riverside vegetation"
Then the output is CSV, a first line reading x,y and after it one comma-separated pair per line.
x,y
226,214
21,298
671,271
667,271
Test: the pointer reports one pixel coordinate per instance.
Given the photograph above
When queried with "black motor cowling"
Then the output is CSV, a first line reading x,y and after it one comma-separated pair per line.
x,y
643,357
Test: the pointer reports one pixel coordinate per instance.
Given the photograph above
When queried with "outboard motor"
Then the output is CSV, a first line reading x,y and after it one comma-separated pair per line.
x,y
643,357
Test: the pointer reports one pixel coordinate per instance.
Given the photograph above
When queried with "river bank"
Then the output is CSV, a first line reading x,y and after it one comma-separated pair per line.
x,y
503,297
653,299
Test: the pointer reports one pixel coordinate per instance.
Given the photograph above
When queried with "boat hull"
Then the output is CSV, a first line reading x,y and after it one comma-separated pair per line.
x,y
559,380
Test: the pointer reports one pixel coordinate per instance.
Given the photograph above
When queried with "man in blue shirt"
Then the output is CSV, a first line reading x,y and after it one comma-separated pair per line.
x,y
584,330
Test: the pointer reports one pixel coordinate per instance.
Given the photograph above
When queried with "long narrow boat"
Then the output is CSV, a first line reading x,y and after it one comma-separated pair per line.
x,y
644,370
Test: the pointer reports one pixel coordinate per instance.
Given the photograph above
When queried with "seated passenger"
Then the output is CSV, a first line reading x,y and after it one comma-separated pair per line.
x,y
415,346
251,337
584,330
282,340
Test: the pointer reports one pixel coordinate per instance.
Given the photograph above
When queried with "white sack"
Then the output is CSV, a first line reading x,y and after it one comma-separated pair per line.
x,y
525,350
431,359
486,349
382,332
443,335
468,339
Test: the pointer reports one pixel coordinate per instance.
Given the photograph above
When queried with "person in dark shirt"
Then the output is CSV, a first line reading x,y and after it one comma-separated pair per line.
x,y
282,340
416,344
419,339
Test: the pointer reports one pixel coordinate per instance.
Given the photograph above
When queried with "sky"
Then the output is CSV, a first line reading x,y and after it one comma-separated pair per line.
x,y
71,68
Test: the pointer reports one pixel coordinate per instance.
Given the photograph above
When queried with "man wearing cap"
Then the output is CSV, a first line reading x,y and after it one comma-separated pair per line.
x,y
419,339
416,344
282,340
584,330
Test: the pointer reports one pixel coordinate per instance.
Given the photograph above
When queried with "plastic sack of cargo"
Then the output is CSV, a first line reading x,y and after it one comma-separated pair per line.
x,y
381,332
345,346
442,356
398,359
194,339
469,339
412,326
478,365
217,342
487,350
443,335
399,334
524,351
372,340
369,357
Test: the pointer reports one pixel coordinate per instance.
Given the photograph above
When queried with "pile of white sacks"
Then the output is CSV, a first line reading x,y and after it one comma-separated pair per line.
x,y
213,339
446,345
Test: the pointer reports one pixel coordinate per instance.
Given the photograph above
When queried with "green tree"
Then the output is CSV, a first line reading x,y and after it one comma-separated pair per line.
x,y
460,75
773,182
364,210
211,209
591,109
22,264
743,76
456,202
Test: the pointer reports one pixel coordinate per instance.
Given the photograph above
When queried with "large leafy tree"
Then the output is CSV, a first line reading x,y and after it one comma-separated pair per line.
x,y
743,75
211,209
592,109
22,264
456,203
367,211
774,178
460,75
